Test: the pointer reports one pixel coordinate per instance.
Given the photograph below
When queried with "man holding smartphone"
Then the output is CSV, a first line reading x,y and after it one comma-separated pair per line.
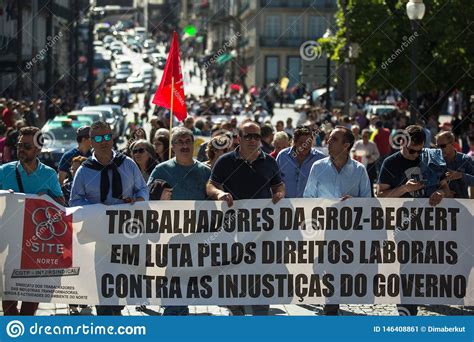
x,y
413,172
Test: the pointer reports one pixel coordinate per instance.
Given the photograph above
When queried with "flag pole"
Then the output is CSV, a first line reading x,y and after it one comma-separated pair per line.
x,y
171,114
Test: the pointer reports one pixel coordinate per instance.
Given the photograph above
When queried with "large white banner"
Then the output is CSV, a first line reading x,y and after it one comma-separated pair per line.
x,y
309,251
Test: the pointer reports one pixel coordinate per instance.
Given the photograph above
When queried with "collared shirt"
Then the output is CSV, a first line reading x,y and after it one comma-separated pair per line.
x,y
244,179
86,184
68,156
188,182
294,175
43,180
464,164
326,182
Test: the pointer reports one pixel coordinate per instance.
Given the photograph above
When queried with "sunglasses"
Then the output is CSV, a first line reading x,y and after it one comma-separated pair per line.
x,y
442,146
250,136
24,146
412,151
138,150
100,138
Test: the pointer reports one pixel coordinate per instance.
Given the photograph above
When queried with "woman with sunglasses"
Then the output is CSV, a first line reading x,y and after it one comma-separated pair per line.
x,y
143,154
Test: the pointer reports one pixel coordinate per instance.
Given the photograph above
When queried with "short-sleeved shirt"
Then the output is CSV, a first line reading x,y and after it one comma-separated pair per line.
x,y
43,180
66,159
188,182
397,170
244,179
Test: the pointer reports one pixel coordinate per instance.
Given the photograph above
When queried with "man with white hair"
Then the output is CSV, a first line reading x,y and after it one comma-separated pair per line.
x,y
280,142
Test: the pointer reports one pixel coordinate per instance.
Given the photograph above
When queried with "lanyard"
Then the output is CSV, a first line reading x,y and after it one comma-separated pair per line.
x,y
18,179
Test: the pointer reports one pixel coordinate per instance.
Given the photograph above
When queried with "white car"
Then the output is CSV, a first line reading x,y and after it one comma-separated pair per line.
x,y
135,84
121,92
108,116
149,43
379,110
148,76
140,33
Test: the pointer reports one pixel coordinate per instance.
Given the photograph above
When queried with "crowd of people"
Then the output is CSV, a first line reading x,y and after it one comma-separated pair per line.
x,y
323,155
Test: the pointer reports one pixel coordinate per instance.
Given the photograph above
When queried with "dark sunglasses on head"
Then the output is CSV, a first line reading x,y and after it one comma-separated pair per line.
x,y
250,136
138,150
100,138
412,151
24,146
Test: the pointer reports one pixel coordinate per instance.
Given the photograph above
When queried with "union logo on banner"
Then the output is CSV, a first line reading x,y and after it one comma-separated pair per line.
x,y
47,241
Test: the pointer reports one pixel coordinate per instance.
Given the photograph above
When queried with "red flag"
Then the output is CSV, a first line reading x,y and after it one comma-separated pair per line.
x,y
163,93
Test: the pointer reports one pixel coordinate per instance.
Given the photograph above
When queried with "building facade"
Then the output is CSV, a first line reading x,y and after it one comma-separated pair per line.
x,y
38,46
270,33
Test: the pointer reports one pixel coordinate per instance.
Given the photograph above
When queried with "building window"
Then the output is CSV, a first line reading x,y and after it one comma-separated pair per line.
x,y
272,26
294,26
272,69
316,26
294,68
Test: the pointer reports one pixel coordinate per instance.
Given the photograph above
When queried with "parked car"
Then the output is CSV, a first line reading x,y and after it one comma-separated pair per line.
x,y
59,136
379,110
120,116
107,115
121,95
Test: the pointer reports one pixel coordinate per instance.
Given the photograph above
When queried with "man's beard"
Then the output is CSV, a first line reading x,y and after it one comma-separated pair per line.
x,y
25,158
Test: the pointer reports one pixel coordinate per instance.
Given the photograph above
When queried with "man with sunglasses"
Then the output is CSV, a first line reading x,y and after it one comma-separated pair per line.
x,y
83,149
246,173
338,177
28,175
109,178
413,172
460,174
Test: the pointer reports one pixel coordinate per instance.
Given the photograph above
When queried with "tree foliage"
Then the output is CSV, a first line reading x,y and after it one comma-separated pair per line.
x,y
445,44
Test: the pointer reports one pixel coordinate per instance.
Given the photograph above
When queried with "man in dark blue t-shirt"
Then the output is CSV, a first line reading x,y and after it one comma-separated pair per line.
x,y
83,149
246,173
401,175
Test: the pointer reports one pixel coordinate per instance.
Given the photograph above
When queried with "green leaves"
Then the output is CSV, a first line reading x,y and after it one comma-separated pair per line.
x,y
445,44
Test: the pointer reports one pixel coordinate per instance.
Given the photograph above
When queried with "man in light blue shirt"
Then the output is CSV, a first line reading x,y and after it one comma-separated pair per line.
x,y
338,176
295,162
108,178
89,186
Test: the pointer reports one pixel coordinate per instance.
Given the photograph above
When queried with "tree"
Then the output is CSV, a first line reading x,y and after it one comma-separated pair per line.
x,y
382,30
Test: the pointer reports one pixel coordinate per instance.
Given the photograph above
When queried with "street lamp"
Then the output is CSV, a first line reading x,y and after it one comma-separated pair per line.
x,y
415,12
328,34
